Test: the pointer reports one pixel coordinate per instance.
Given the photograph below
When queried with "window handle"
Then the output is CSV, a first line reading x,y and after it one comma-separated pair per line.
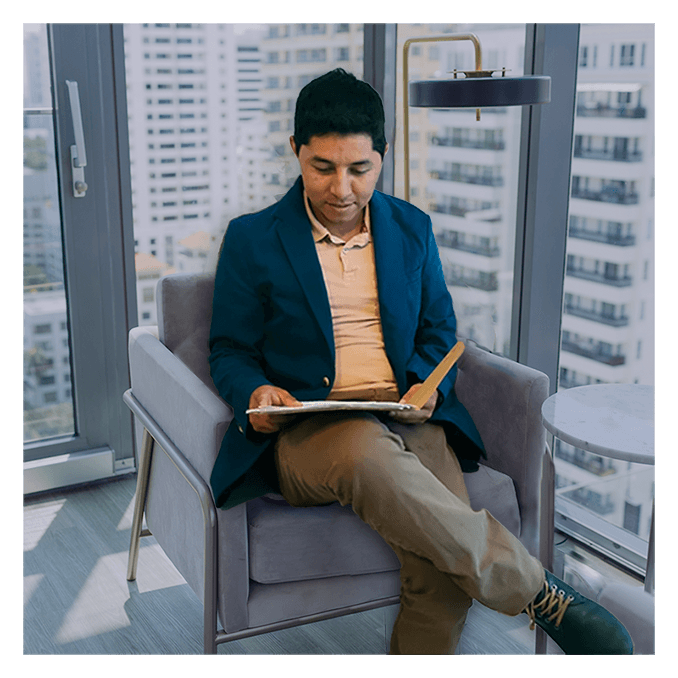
x,y
78,153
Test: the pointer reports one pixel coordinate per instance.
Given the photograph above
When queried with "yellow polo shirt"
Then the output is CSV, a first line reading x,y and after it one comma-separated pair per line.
x,y
363,371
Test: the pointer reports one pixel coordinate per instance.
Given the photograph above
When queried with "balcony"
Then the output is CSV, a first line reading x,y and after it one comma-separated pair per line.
x,y
614,155
593,353
449,209
486,282
452,241
457,142
604,278
589,462
465,178
601,111
607,238
596,316
606,194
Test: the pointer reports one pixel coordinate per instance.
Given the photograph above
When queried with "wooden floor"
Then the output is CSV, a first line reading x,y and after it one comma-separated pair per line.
x,y
77,600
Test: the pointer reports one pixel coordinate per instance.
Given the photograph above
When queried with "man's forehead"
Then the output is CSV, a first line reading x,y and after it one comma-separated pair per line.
x,y
320,158
348,149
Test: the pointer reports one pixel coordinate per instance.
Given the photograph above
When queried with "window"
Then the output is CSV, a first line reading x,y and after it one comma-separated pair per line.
x,y
69,317
603,339
627,54
465,175
45,302
281,58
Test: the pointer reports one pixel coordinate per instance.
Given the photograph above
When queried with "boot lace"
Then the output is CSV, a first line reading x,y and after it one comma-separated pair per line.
x,y
553,603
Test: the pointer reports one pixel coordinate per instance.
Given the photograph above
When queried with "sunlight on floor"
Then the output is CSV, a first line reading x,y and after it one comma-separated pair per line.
x,y
36,529
84,619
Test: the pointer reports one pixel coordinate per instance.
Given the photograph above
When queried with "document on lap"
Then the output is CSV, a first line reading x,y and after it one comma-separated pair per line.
x,y
332,406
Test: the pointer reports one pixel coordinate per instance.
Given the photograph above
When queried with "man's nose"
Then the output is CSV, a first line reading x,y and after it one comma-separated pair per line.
x,y
341,185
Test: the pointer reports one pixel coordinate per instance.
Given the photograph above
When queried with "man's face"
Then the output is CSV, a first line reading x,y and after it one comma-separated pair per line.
x,y
339,174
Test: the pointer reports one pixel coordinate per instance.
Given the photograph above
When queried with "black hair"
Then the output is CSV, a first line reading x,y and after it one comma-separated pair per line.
x,y
339,103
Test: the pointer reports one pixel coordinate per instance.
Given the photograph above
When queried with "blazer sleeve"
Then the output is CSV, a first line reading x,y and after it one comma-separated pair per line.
x,y
437,325
236,331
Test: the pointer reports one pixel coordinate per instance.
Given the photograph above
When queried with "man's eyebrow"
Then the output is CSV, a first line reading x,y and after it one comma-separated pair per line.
x,y
317,158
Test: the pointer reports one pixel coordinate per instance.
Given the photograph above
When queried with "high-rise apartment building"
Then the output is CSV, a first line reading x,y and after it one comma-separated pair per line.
x,y
294,54
211,109
190,87
210,114
608,311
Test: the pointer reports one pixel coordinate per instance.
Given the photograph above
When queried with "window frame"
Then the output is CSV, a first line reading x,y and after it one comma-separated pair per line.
x,y
98,253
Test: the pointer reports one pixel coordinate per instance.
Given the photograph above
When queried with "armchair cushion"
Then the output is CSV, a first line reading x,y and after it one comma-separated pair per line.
x,y
292,544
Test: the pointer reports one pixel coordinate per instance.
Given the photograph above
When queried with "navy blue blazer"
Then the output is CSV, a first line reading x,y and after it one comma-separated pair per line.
x,y
272,324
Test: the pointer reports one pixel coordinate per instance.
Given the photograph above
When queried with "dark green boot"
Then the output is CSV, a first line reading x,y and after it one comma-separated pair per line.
x,y
578,625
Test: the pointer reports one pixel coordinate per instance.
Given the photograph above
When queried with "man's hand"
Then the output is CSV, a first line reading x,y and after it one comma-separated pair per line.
x,y
415,416
270,395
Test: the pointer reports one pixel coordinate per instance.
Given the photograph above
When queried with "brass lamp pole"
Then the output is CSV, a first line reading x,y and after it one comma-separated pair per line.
x,y
406,98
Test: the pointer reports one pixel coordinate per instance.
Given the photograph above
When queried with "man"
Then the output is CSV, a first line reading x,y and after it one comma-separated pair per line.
x,y
337,292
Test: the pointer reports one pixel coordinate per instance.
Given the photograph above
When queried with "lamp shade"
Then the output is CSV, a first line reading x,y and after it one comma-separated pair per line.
x,y
480,92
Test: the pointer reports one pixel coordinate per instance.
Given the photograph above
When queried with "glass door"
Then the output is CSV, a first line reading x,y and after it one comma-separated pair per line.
x,y
48,387
79,290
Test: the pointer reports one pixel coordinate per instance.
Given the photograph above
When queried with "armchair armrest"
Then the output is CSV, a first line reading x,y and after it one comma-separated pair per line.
x,y
189,421
189,413
504,398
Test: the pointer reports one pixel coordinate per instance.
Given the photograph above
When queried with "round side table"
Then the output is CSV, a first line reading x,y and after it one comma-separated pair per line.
x,y
611,420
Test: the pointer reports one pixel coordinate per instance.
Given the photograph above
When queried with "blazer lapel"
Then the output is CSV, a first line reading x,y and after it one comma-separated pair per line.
x,y
389,255
296,236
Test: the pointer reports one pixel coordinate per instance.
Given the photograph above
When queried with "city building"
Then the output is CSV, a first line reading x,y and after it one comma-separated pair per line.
x,y
185,102
608,313
149,269
608,308
46,353
294,54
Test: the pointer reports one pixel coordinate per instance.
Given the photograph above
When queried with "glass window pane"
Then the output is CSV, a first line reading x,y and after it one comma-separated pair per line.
x,y
464,173
608,313
211,109
48,402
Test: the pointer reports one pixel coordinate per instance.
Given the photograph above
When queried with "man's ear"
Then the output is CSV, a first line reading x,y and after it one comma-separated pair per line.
x,y
293,145
386,149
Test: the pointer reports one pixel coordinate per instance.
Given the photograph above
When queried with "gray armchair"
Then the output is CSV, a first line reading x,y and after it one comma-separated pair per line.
x,y
264,565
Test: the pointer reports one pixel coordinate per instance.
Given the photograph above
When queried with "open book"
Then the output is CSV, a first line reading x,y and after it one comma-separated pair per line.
x,y
417,401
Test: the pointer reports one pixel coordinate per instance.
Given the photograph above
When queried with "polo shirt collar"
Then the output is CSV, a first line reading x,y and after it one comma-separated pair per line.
x,y
320,232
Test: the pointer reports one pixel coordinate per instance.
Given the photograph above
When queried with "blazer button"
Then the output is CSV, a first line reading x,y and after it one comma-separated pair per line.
x,y
326,381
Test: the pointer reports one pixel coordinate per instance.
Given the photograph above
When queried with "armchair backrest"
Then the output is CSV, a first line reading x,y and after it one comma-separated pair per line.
x,y
184,304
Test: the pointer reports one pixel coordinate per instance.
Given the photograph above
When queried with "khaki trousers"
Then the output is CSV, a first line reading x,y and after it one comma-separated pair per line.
x,y
405,482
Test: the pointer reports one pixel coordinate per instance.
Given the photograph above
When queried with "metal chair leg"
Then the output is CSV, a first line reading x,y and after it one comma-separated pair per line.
x,y
139,503
546,522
